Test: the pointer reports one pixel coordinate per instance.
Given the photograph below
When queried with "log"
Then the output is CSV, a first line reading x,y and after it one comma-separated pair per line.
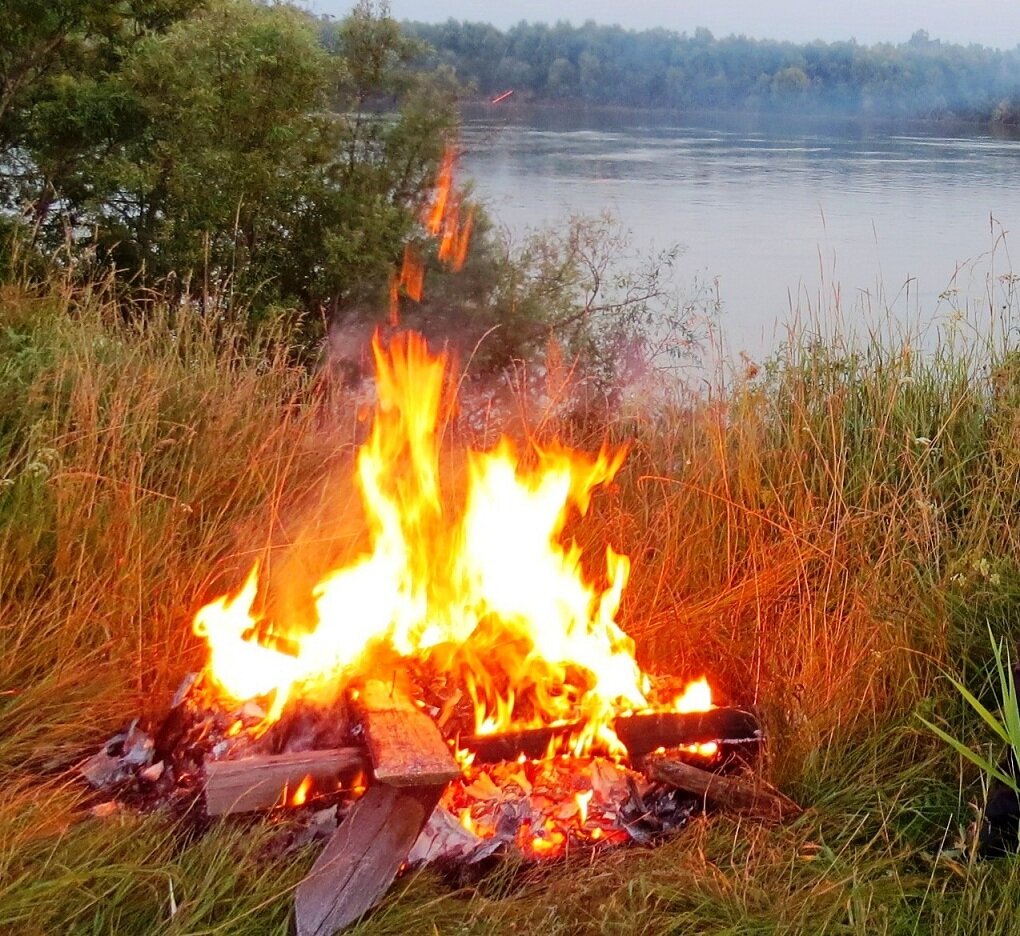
x,y
406,747
640,734
362,858
234,786
751,798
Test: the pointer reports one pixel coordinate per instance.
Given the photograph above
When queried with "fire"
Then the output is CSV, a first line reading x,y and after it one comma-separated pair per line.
x,y
442,218
582,799
488,590
697,697
301,793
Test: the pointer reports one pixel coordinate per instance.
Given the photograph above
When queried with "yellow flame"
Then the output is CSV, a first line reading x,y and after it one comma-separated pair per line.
x,y
493,593
583,798
697,697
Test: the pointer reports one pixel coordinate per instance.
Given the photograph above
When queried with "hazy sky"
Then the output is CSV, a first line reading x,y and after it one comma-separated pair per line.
x,y
989,22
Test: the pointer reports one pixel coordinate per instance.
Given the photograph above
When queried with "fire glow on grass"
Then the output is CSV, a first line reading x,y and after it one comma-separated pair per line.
x,y
486,591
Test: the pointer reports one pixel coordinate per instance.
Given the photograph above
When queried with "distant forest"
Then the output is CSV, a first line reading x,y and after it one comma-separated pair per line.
x,y
609,65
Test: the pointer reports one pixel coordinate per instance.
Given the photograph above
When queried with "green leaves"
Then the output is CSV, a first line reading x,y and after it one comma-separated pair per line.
x,y
1006,726
237,149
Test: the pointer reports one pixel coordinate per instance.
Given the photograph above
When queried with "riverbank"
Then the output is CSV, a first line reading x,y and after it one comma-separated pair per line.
x,y
565,114
829,539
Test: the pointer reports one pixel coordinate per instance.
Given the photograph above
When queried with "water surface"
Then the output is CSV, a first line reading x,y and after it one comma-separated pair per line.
x,y
778,215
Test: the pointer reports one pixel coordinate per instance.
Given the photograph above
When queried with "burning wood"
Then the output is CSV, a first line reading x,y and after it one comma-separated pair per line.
x,y
261,782
641,734
406,746
406,749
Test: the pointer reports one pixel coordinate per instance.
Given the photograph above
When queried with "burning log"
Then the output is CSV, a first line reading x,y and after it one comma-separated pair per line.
x,y
728,792
252,783
641,734
361,860
406,747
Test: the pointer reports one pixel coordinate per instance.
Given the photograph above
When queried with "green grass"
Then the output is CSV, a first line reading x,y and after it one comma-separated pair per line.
x,y
827,539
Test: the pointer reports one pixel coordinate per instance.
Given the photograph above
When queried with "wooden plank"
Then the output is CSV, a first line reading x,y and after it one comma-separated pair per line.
x,y
405,745
640,734
362,858
251,783
729,792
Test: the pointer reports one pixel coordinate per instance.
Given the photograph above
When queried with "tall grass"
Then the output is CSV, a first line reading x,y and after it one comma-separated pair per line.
x,y
826,539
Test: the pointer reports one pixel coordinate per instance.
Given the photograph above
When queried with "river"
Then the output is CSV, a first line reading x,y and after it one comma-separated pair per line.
x,y
851,224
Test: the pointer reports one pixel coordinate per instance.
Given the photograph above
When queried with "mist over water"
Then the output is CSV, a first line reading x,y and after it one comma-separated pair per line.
x,y
837,220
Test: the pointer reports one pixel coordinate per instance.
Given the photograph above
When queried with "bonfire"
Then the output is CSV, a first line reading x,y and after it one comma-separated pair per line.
x,y
460,688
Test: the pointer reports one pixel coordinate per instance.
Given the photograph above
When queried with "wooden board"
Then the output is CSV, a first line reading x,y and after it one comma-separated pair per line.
x,y
260,782
405,746
362,858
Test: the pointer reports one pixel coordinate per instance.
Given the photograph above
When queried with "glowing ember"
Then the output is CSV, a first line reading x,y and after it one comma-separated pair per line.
x,y
542,807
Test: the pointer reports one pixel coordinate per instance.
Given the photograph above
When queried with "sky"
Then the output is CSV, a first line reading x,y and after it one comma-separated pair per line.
x,y
988,22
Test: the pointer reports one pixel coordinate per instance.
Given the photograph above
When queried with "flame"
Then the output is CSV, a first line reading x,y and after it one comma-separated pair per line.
x,y
435,216
696,697
492,592
583,798
442,218
301,793
466,821
706,749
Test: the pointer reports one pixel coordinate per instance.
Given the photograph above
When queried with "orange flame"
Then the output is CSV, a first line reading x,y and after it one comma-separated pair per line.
x,y
491,593
697,697
442,218
435,216
301,793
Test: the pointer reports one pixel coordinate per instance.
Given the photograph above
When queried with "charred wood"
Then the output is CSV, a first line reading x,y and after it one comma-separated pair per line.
x,y
749,797
641,734
362,858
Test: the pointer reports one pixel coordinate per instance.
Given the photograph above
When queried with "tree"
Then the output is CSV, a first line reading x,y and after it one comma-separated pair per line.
x,y
48,48
657,68
233,154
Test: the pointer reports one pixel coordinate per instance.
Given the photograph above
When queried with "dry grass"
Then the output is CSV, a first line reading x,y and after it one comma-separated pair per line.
x,y
826,539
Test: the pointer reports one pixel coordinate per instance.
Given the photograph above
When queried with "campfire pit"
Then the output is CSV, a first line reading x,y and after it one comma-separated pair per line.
x,y
461,688
407,796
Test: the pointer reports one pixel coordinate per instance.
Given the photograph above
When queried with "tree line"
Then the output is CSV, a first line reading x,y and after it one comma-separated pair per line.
x,y
609,65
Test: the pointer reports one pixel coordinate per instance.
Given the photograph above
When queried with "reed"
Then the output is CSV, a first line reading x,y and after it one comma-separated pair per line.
x,y
827,538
